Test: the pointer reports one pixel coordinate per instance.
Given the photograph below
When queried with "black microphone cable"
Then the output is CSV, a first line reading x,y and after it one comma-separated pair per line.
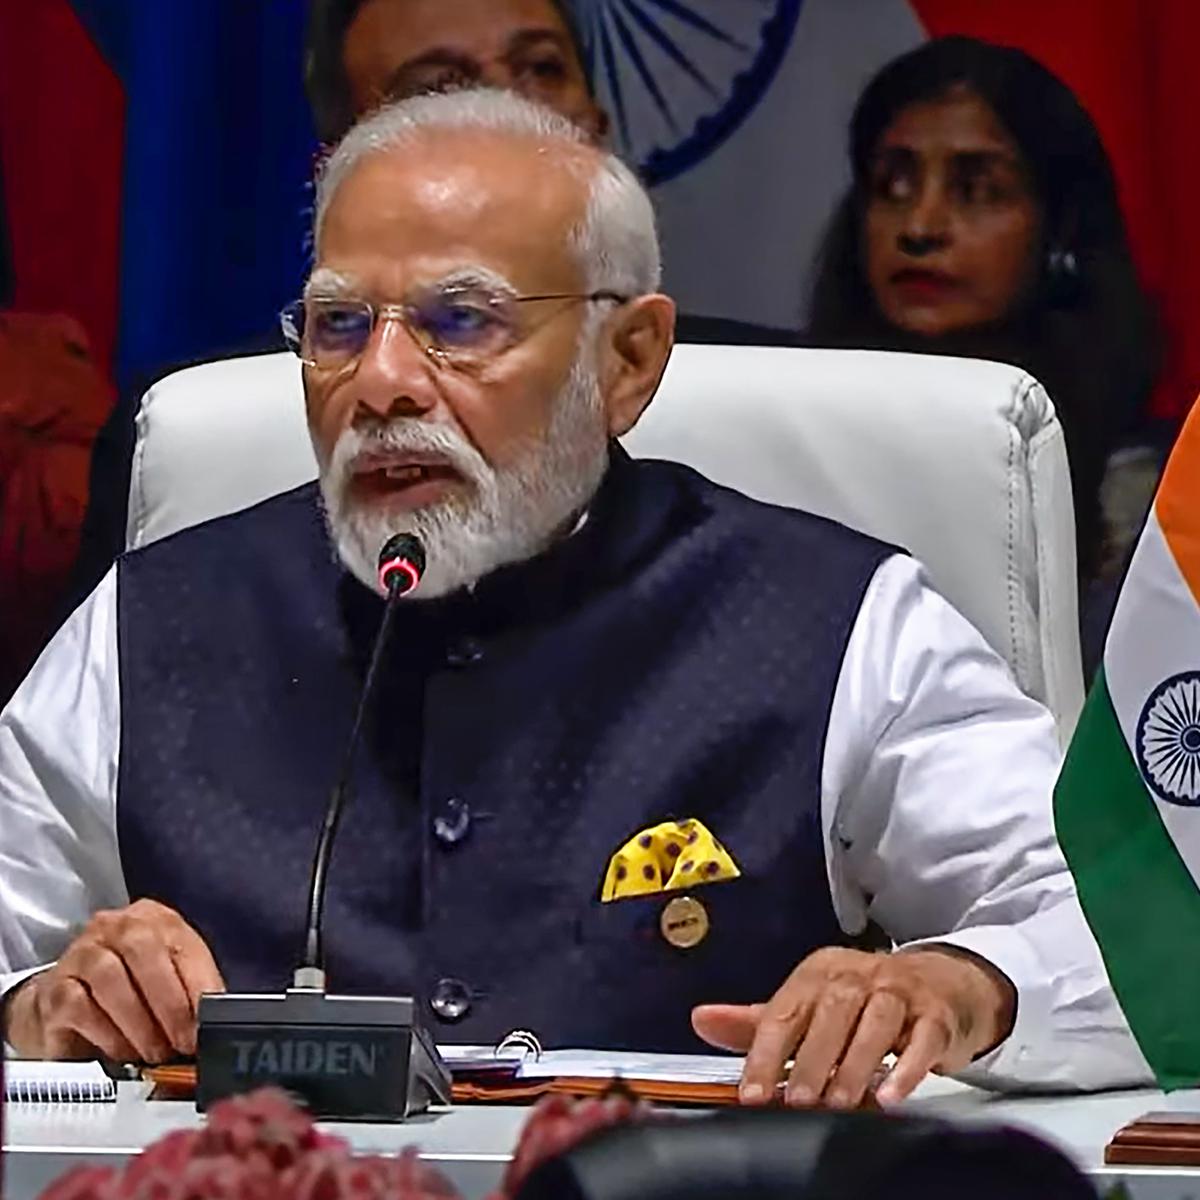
x,y
401,565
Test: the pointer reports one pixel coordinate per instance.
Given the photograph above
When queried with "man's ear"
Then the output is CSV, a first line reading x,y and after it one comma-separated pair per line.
x,y
634,354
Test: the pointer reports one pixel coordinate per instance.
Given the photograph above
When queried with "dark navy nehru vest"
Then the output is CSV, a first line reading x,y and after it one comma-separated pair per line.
x,y
675,658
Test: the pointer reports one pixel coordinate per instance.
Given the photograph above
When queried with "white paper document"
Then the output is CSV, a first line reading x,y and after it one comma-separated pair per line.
x,y
599,1064
605,1064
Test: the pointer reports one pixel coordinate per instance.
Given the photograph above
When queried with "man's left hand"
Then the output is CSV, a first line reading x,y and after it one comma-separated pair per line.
x,y
840,1012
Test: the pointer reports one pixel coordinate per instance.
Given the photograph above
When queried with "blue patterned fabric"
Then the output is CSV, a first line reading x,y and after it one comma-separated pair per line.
x,y
677,657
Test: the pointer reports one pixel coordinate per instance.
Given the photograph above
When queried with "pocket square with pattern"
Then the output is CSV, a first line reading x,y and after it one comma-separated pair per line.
x,y
665,858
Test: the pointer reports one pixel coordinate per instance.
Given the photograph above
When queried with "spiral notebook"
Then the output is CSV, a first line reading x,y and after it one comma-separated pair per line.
x,y
668,1078
56,1082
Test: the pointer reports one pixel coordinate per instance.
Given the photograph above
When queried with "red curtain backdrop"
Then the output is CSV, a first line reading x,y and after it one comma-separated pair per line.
x,y
1132,63
61,117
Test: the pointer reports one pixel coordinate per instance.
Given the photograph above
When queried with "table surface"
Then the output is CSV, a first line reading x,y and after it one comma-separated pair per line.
x,y
471,1144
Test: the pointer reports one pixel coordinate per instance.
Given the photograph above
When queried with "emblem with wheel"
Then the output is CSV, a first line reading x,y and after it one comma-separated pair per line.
x,y
1168,740
679,76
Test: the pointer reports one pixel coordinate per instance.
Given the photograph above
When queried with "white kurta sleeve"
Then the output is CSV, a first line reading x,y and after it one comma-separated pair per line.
x,y
937,790
59,749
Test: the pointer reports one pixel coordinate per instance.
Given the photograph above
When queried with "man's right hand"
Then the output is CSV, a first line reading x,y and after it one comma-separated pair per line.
x,y
126,988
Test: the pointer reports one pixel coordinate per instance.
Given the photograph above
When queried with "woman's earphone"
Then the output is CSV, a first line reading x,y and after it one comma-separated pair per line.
x,y
1064,283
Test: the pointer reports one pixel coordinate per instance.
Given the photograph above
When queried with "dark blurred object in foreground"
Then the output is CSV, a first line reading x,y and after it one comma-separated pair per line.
x,y
776,1154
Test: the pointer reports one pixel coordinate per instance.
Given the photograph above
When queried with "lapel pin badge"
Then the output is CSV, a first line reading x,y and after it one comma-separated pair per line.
x,y
684,922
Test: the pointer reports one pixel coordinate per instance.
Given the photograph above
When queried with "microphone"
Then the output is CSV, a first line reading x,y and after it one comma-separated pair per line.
x,y
401,565
358,1057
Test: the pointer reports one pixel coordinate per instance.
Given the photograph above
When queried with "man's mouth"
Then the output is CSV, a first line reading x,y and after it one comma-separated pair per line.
x,y
410,481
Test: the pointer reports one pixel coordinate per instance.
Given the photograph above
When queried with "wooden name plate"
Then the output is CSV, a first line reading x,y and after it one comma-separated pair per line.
x,y
1157,1139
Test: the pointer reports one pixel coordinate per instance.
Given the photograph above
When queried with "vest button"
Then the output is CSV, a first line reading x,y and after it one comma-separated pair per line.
x,y
451,999
452,822
465,652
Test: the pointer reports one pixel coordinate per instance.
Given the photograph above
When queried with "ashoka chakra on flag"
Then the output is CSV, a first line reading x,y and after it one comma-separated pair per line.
x,y
1168,740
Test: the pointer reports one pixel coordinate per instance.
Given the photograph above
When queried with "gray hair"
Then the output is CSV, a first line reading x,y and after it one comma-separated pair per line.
x,y
616,242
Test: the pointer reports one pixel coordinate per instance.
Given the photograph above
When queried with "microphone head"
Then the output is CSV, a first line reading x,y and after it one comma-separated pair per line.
x,y
401,564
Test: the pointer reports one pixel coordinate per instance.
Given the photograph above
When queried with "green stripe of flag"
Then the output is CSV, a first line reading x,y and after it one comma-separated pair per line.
x,y
1139,898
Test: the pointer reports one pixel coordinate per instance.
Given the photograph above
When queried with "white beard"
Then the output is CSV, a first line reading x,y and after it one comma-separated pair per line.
x,y
503,516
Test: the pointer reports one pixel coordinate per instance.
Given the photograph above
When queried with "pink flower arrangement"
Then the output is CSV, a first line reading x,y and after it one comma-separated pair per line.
x,y
262,1147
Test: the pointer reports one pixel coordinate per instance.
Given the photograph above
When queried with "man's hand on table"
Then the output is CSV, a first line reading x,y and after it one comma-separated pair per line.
x,y
127,988
841,1011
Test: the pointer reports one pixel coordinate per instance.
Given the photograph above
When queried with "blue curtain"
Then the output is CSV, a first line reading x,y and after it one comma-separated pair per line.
x,y
218,159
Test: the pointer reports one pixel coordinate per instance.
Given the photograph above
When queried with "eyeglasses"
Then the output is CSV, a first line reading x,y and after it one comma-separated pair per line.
x,y
459,326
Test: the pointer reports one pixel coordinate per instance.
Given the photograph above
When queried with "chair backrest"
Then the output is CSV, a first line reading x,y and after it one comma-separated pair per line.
x,y
960,462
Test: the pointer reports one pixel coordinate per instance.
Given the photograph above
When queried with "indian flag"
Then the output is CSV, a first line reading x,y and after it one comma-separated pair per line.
x,y
1127,804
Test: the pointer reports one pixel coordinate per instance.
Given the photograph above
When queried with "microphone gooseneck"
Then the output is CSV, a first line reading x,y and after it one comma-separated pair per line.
x,y
401,564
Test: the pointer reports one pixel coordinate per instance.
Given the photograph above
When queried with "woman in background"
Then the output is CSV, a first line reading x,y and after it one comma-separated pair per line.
x,y
983,221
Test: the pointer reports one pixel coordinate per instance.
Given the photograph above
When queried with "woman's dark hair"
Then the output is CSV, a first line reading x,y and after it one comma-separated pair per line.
x,y
325,75
1087,333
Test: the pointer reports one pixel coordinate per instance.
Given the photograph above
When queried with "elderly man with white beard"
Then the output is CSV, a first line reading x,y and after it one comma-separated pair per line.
x,y
648,760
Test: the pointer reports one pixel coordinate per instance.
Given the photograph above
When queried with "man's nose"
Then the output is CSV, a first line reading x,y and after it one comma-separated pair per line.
x,y
500,75
394,377
926,226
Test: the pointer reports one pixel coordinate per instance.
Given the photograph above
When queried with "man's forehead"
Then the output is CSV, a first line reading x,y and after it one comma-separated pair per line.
x,y
401,31
513,198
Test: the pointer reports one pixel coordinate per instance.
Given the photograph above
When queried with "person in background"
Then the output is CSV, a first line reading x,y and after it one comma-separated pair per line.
x,y
363,53
983,221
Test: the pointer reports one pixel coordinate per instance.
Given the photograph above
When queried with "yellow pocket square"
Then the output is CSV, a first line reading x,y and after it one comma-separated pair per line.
x,y
664,858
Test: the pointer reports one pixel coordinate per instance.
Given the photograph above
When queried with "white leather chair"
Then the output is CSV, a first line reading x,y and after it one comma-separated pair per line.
x,y
960,462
